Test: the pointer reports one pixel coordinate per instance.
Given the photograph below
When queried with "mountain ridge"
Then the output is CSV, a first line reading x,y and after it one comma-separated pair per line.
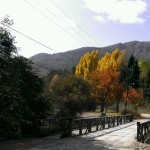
x,y
70,58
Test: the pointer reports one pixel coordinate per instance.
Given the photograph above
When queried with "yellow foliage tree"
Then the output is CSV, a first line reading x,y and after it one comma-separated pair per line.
x,y
111,61
103,75
88,63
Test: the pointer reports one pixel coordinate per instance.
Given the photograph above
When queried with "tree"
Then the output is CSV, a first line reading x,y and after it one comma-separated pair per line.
x,y
112,61
109,66
21,100
135,98
71,95
131,74
145,78
106,87
87,64
103,74
144,68
146,87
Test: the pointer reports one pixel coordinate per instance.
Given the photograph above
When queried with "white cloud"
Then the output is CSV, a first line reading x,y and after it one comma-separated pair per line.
x,y
100,19
123,11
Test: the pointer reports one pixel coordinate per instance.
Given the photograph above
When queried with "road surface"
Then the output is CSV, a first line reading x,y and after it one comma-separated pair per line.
x,y
122,137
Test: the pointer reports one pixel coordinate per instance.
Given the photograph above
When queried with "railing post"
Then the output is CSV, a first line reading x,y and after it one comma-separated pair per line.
x,y
80,127
70,127
138,131
48,126
104,121
131,117
117,120
89,125
97,123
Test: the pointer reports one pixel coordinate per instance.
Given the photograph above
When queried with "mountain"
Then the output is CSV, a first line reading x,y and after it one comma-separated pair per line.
x,y
69,59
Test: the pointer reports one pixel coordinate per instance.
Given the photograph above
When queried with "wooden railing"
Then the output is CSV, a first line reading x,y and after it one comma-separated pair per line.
x,y
79,126
143,131
87,125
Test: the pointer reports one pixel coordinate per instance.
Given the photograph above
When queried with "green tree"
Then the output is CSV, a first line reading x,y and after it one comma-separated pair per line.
x,y
71,95
133,73
21,100
144,68
130,76
146,87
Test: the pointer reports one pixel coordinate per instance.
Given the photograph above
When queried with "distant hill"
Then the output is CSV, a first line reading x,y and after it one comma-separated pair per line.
x,y
71,58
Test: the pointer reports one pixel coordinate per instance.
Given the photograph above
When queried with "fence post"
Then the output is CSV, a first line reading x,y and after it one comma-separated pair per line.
x,y
48,126
138,131
97,123
80,127
104,121
89,125
70,127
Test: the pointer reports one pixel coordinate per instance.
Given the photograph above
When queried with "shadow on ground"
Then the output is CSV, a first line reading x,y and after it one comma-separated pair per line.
x,y
55,143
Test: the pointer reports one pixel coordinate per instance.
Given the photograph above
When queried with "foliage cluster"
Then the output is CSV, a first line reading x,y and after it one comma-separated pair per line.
x,y
113,78
21,100
70,95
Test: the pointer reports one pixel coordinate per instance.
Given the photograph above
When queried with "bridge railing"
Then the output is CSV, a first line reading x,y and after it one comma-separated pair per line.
x,y
143,131
79,126
87,125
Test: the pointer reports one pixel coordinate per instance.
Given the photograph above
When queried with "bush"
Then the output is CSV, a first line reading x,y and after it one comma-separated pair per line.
x,y
135,114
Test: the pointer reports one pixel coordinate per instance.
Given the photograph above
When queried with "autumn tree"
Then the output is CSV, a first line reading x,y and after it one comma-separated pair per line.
x,y
134,98
110,65
103,74
87,64
106,88
112,61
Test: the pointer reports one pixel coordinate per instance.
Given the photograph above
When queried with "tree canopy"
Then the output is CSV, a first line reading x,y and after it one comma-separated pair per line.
x,y
21,100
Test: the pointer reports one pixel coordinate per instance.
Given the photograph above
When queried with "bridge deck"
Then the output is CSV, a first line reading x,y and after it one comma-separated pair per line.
x,y
122,137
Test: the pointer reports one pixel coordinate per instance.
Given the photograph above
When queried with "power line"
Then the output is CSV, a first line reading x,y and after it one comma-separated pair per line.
x,y
41,66
54,22
72,19
46,8
36,41
58,18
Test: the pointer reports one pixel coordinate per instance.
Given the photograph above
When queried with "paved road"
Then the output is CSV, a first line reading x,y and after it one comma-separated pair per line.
x,y
145,115
122,137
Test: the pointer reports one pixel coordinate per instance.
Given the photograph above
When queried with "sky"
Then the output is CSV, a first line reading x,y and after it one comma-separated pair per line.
x,y
64,25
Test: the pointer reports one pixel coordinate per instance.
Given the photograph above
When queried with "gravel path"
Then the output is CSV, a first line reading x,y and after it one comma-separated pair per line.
x,y
122,137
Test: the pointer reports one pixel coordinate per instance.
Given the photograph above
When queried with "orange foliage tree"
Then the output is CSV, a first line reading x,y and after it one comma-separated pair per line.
x,y
134,98
106,88
103,74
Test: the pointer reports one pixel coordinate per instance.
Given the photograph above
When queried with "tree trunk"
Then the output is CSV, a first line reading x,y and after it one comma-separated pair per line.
x,y
106,107
102,106
117,106
126,101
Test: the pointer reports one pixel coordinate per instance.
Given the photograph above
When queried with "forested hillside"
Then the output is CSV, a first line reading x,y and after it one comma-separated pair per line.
x,y
70,58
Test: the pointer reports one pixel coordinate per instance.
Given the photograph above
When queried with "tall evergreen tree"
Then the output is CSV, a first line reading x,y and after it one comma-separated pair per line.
x,y
133,73
146,87
131,76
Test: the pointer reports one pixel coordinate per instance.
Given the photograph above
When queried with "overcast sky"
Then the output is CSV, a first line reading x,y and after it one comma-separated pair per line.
x,y
86,23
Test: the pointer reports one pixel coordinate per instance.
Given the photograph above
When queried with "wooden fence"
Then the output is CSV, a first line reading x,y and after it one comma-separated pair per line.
x,y
79,126
143,131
